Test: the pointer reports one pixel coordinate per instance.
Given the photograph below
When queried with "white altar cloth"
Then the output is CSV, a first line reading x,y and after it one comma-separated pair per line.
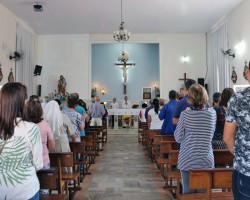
x,y
123,111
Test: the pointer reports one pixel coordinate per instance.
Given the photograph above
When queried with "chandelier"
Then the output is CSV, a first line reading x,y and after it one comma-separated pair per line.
x,y
122,34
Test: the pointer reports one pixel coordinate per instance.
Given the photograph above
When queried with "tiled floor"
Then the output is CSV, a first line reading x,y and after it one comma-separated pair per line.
x,y
123,172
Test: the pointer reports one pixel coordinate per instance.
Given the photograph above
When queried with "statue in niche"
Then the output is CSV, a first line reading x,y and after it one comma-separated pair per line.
x,y
62,85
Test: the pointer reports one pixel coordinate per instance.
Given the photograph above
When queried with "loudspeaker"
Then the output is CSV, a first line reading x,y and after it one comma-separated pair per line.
x,y
201,81
38,70
39,90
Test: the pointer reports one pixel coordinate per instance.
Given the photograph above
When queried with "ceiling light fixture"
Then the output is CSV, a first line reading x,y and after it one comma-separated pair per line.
x,y
122,34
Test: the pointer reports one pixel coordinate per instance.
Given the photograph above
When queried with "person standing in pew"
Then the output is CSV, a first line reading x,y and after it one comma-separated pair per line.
x,y
154,123
61,126
221,109
97,111
167,113
237,138
20,146
34,112
183,103
75,117
194,132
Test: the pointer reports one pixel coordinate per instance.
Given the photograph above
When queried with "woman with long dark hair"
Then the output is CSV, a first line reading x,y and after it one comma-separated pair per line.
x,y
20,146
154,123
221,109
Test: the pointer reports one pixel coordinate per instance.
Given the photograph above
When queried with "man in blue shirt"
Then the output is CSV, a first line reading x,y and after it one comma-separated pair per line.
x,y
167,113
97,111
183,103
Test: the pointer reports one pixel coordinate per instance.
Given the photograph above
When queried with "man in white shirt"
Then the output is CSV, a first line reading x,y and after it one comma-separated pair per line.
x,y
114,105
126,104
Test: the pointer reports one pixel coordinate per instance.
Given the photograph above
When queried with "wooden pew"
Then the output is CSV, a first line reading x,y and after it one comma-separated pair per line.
x,y
48,180
208,179
99,139
90,148
168,165
143,134
149,145
80,157
156,146
223,158
66,159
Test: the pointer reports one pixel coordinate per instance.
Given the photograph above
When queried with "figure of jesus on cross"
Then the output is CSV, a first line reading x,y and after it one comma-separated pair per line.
x,y
123,58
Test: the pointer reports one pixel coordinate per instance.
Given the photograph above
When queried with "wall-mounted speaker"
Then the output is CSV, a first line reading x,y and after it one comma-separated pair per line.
x,y
39,90
38,70
201,81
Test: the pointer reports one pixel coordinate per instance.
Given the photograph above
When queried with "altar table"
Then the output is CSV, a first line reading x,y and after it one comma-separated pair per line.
x,y
118,113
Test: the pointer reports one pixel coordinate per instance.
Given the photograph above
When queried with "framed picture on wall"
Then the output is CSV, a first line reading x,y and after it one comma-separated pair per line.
x,y
146,93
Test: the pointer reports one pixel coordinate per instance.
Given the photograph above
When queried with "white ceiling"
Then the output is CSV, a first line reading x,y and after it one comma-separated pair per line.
x,y
104,16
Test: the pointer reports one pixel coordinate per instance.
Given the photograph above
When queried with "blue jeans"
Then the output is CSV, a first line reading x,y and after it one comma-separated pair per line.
x,y
241,186
185,183
35,197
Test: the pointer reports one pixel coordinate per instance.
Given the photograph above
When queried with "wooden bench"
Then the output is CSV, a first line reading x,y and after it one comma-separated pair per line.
x,y
223,158
150,142
156,146
168,165
65,160
142,126
80,158
48,179
208,179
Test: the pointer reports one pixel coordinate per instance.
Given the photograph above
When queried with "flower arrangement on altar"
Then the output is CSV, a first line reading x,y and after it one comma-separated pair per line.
x,y
126,118
60,96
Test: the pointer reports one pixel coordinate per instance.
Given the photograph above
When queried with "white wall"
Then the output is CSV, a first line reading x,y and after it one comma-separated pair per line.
x,y
7,41
66,55
239,30
69,55
8,23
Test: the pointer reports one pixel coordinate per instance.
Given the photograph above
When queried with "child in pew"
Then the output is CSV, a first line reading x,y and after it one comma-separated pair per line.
x,y
195,131
34,112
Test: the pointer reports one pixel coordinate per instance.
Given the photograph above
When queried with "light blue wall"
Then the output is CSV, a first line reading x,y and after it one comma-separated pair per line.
x,y
105,74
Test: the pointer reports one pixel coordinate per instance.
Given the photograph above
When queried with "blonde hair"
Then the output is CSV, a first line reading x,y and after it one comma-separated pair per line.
x,y
197,96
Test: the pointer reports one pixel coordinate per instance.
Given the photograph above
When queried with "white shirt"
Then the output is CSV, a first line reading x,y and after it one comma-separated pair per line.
x,y
20,159
114,105
156,123
126,106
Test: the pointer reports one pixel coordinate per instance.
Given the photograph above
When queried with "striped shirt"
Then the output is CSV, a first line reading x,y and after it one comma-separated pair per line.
x,y
195,131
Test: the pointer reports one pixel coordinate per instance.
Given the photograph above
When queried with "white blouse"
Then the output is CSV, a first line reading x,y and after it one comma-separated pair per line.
x,y
20,159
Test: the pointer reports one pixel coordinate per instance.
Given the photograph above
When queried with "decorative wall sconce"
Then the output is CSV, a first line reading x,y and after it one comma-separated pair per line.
x,y
185,59
228,53
103,91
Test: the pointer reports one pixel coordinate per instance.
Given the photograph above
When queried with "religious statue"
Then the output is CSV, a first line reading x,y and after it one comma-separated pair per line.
x,y
123,58
62,85
124,69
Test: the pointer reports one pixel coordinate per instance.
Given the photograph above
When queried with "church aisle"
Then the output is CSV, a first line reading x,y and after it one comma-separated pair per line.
x,y
123,172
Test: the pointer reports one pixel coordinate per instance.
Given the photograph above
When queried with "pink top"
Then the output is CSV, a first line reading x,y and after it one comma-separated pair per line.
x,y
46,134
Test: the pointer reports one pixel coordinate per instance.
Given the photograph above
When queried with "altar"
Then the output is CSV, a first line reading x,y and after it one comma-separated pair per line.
x,y
124,117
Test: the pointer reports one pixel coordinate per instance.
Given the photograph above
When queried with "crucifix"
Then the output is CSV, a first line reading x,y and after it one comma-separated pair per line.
x,y
184,79
124,66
